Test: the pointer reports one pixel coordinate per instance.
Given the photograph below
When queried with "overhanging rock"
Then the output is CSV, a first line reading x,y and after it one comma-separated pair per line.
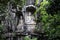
x,y
29,8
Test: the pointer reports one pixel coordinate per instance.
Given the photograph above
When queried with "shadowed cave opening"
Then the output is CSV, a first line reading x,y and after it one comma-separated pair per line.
x,y
31,9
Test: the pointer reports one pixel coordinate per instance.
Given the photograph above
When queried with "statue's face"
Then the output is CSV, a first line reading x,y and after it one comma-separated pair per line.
x,y
29,13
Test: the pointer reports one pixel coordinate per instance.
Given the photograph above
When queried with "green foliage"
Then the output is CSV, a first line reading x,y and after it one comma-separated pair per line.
x,y
20,2
50,18
51,23
1,27
28,38
1,30
36,2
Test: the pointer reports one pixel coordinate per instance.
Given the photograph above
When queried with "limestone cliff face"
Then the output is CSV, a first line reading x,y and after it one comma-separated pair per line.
x,y
21,21
30,2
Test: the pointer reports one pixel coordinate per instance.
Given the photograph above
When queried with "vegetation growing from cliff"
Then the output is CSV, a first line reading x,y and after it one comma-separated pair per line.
x,y
49,11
